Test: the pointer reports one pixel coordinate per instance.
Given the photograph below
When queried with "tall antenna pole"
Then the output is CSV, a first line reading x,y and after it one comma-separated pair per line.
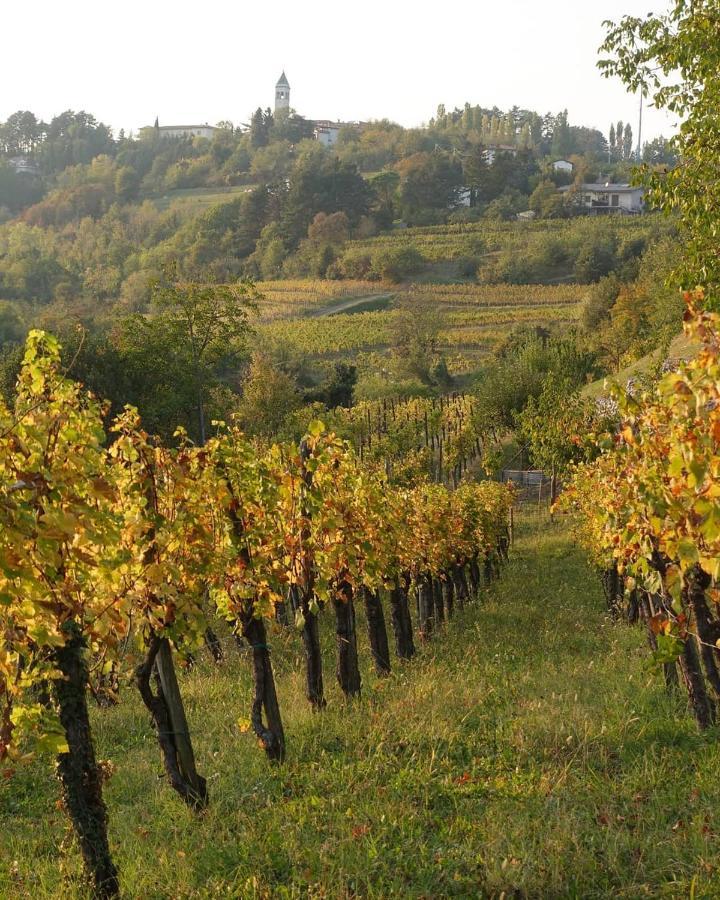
x,y
639,143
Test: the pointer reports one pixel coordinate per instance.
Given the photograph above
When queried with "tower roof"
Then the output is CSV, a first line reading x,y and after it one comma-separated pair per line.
x,y
282,81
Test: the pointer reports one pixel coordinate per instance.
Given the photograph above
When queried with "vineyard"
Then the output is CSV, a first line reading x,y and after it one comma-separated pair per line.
x,y
470,317
115,556
287,299
656,537
516,744
453,242
466,297
439,438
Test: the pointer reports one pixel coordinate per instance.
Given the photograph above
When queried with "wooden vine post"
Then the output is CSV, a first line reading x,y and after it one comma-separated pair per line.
x,y
170,691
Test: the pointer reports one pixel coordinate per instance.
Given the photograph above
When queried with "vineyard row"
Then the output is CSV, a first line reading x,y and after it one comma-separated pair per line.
x,y
109,544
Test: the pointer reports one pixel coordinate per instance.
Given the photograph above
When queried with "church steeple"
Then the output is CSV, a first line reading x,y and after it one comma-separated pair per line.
x,y
282,94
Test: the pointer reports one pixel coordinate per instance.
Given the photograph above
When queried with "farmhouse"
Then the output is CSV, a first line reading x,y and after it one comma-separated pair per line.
x,y
599,199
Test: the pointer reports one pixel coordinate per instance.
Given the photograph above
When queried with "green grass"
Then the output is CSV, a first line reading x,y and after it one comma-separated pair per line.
x,y
528,752
196,200
681,348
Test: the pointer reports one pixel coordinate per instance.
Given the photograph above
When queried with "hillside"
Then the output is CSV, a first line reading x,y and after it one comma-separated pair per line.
x,y
681,347
529,752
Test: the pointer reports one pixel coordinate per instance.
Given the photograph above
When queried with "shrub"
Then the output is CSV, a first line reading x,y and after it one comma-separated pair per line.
x,y
395,263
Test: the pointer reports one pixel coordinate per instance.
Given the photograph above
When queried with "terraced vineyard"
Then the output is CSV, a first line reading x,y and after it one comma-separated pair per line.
x,y
487,296
471,318
452,242
289,298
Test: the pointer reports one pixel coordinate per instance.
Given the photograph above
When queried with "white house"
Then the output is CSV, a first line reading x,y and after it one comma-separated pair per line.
x,y
563,165
464,197
182,131
327,132
23,165
203,131
492,151
597,199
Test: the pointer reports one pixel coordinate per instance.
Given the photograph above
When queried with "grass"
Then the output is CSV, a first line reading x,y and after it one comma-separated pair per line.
x,y
528,752
196,200
681,348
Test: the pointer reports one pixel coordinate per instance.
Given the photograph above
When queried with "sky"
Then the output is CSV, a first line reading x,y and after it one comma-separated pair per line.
x,y
195,62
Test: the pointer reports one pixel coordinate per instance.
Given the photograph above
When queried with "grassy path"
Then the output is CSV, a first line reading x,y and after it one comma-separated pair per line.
x,y
365,303
528,753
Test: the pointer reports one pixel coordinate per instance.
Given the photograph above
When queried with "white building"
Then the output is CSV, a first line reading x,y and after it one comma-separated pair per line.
x,y
23,165
598,199
282,94
492,150
178,131
327,132
563,165
182,131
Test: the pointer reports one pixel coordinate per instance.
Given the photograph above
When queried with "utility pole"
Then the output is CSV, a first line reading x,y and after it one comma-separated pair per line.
x,y
639,143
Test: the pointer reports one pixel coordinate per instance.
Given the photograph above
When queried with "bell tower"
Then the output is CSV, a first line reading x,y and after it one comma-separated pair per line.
x,y
282,94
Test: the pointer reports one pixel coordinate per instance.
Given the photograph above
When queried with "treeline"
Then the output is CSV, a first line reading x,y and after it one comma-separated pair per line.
x,y
86,188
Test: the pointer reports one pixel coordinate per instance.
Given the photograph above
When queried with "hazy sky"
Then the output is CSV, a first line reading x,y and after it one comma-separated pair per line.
x,y
189,62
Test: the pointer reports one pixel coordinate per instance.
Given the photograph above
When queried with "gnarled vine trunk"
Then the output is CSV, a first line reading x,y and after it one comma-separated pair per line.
x,y
697,583
377,632
347,669
438,600
446,586
401,620
460,584
425,606
271,736
702,706
314,688
78,771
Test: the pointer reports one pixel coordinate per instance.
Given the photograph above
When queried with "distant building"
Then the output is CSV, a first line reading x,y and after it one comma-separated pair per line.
x,y
527,215
599,199
23,165
282,94
183,131
492,151
465,197
563,165
327,132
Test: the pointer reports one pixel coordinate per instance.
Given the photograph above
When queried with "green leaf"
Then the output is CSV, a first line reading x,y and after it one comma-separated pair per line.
x,y
53,742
